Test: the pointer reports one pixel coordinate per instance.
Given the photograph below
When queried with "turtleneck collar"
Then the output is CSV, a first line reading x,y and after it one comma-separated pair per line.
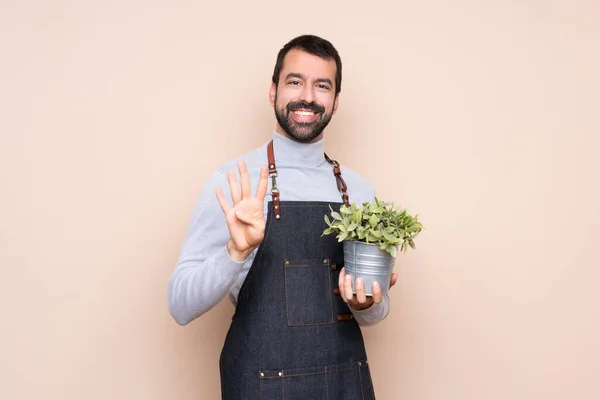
x,y
289,152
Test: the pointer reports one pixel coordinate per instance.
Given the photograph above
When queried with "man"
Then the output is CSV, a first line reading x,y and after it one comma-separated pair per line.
x,y
295,333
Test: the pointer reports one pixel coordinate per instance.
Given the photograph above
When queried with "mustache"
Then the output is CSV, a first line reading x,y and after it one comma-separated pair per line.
x,y
303,105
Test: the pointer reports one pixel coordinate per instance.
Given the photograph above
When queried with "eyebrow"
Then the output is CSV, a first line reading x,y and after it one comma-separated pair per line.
x,y
303,77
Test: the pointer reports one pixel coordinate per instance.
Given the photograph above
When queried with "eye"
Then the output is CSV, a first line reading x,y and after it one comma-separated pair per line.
x,y
323,86
294,82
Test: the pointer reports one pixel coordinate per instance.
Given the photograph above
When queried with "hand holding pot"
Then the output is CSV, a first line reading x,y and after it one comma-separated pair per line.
x,y
360,301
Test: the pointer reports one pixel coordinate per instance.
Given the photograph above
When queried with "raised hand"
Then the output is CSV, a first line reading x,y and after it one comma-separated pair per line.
x,y
246,219
360,301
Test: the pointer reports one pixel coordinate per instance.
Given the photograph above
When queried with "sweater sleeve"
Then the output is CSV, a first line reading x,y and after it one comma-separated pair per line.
x,y
204,272
374,314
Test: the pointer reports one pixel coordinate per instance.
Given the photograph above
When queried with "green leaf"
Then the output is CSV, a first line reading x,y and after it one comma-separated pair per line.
x,y
361,232
375,233
327,231
345,210
342,236
357,217
336,216
390,238
392,250
327,220
373,221
352,226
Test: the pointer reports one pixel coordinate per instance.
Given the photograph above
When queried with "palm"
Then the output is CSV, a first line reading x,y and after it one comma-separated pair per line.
x,y
245,220
244,235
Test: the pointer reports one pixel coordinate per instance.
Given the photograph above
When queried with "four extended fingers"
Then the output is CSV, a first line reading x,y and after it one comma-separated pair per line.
x,y
237,193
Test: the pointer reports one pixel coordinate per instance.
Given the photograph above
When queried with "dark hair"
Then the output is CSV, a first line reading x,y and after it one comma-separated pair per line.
x,y
313,45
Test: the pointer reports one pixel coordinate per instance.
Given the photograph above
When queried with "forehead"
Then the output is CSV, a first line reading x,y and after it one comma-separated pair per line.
x,y
314,67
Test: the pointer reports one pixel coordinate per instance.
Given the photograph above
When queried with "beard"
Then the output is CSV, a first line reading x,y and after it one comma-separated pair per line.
x,y
303,132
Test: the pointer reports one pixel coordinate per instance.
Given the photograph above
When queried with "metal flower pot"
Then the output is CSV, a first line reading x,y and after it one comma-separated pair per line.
x,y
369,262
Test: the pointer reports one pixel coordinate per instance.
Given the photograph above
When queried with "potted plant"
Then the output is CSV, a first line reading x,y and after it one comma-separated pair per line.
x,y
371,236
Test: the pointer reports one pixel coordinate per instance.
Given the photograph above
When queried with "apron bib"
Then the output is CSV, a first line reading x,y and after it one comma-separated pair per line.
x,y
292,336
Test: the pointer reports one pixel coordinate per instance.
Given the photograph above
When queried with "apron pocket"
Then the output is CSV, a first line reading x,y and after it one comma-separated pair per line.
x,y
348,381
294,384
308,292
271,385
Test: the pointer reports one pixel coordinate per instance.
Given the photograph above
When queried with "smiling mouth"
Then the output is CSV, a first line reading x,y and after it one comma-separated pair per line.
x,y
304,113
305,116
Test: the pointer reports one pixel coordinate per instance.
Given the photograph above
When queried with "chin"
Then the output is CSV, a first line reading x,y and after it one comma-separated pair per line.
x,y
305,138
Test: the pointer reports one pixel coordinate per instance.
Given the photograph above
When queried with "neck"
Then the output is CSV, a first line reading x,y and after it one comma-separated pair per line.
x,y
291,152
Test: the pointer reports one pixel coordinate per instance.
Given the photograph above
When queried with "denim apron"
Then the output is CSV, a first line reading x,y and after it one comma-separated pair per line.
x,y
292,336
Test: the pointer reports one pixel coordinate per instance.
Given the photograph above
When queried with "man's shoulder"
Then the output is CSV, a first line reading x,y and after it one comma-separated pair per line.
x,y
352,175
358,186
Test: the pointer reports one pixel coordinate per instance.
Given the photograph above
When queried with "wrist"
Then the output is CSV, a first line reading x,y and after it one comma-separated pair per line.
x,y
361,307
238,255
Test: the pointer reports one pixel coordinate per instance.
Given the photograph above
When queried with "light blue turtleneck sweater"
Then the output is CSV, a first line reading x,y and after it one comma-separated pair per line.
x,y
205,273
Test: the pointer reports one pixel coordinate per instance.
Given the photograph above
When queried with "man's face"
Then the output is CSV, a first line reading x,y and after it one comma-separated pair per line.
x,y
304,100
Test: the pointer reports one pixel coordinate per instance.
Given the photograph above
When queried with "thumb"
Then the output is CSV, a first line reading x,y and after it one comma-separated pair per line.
x,y
393,279
249,219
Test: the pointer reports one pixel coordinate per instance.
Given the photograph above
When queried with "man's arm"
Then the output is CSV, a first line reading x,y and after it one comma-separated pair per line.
x,y
221,240
205,271
374,314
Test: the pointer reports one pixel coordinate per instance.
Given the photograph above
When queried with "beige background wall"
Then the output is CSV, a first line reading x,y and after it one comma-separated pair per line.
x,y
482,116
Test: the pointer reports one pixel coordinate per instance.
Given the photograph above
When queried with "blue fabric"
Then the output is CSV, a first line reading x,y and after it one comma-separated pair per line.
x,y
285,340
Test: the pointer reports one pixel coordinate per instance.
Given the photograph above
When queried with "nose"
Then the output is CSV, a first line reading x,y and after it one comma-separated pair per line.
x,y
307,94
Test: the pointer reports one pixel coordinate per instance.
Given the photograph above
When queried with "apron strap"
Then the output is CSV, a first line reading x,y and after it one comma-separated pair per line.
x,y
341,184
273,175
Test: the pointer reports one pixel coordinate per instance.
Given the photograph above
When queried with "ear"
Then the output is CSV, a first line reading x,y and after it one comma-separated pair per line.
x,y
335,102
272,93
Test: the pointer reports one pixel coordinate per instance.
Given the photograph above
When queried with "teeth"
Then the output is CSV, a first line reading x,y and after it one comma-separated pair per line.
x,y
304,113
